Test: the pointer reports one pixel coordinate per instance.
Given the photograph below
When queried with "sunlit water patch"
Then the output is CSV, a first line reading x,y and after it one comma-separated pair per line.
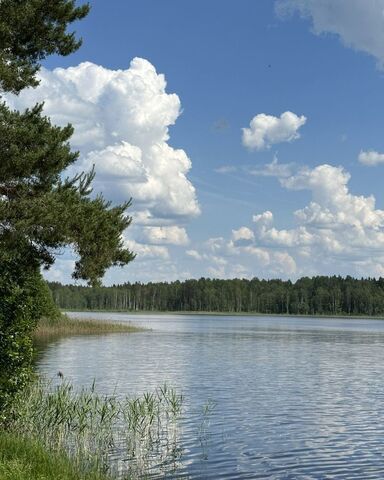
x,y
266,397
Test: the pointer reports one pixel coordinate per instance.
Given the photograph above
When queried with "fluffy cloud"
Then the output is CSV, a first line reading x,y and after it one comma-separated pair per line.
x,y
263,219
121,120
240,256
143,250
243,233
194,254
371,158
171,235
337,232
333,206
336,224
358,23
266,130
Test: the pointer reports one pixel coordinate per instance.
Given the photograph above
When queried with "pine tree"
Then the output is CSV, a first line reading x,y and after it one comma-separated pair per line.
x,y
40,212
29,31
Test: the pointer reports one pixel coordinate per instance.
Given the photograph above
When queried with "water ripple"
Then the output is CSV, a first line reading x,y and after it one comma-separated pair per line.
x,y
294,398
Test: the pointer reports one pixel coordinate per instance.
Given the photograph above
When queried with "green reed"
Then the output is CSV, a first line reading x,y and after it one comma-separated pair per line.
x,y
63,325
123,437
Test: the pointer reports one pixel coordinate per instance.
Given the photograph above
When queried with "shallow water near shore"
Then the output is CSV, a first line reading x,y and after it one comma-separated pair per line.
x,y
266,397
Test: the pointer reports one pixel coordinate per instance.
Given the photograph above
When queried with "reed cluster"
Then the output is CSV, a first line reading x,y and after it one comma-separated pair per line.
x,y
62,325
119,437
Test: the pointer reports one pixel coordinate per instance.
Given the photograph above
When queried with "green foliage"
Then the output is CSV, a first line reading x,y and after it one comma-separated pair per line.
x,y
24,298
307,296
29,31
40,213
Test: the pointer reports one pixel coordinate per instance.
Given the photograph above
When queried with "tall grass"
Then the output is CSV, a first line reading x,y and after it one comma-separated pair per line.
x,y
26,459
49,327
121,437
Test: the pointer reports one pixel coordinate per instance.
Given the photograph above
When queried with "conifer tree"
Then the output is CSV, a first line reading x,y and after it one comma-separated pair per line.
x,y
40,211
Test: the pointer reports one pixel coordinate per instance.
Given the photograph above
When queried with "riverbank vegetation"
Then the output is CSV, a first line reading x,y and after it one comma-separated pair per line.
x,y
22,458
42,211
62,325
51,431
307,296
88,432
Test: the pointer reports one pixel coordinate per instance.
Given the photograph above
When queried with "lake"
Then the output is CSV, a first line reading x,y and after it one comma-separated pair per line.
x,y
266,397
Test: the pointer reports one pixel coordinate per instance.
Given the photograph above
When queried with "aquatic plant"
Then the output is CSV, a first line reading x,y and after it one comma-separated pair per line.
x,y
62,325
118,436
203,429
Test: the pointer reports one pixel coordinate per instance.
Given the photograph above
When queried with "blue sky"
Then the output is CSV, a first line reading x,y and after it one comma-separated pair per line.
x,y
292,195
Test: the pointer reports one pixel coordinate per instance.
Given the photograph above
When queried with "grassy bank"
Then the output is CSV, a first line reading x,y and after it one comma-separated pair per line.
x,y
63,325
22,459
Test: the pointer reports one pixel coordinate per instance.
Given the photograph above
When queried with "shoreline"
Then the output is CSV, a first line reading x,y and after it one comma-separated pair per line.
x,y
227,314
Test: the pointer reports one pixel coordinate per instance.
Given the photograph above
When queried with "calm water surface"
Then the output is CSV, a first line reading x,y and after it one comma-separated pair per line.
x,y
296,398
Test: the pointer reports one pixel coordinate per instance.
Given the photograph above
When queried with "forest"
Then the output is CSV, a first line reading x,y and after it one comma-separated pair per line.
x,y
307,296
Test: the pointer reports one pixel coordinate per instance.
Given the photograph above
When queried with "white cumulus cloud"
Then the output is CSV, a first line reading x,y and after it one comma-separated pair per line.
x,y
263,219
358,23
371,158
337,232
121,120
266,130
194,254
143,250
173,235
332,204
243,233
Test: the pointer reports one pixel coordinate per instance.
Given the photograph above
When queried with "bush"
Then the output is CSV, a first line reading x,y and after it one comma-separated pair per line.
x,y
24,298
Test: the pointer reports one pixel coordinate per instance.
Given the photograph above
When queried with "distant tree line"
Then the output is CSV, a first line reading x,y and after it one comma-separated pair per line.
x,y
309,296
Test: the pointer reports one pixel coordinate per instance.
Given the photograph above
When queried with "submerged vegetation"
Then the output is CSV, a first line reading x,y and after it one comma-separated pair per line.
x,y
307,296
107,435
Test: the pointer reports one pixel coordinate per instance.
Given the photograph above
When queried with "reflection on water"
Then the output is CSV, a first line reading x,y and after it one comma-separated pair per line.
x,y
293,397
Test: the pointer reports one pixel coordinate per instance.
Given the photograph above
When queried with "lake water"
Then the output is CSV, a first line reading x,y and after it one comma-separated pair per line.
x,y
287,398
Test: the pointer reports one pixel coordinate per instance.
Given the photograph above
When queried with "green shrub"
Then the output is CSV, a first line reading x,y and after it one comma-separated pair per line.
x,y
24,298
